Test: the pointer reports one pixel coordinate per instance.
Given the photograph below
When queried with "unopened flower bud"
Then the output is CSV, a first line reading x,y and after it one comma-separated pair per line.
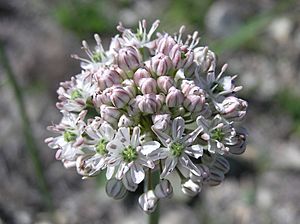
x,y
165,83
81,167
161,121
103,98
240,142
194,103
221,164
115,189
164,189
107,78
119,97
149,103
125,121
174,97
188,64
205,59
233,108
148,201
160,64
190,188
129,58
165,44
130,87
115,44
110,114
139,74
176,56
216,177
147,85
186,86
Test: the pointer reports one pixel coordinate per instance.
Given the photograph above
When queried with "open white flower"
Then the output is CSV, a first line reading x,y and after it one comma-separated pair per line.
x,y
129,156
99,134
179,147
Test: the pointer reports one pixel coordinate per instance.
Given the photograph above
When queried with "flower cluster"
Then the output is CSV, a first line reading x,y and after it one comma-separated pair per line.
x,y
148,106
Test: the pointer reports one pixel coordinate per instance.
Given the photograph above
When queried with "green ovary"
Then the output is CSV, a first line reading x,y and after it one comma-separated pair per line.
x,y
76,94
129,154
101,147
176,149
69,136
218,134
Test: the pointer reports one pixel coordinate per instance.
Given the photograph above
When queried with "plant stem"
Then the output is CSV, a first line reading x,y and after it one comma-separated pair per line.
x,y
31,145
153,218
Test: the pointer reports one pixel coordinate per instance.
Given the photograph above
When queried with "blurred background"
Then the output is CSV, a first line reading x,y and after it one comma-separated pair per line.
x,y
260,40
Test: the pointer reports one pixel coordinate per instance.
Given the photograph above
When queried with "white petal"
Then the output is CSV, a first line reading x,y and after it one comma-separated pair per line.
x,y
110,172
190,138
122,170
128,182
107,131
123,136
170,164
137,173
163,137
186,162
177,128
149,147
135,137
146,161
195,151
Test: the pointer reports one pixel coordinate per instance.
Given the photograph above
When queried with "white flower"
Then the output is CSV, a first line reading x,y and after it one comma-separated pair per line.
x,y
179,147
129,156
218,133
99,134
70,138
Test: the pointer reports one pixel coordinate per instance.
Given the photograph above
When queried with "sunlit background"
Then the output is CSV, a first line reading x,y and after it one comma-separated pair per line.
x,y
260,40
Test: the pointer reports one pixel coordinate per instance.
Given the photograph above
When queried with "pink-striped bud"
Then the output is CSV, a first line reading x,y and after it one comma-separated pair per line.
x,y
165,44
107,78
110,114
129,58
130,87
164,189
103,98
161,121
115,44
174,97
160,64
186,86
194,103
148,201
125,121
119,97
139,74
148,85
149,103
175,56
233,108
188,64
164,83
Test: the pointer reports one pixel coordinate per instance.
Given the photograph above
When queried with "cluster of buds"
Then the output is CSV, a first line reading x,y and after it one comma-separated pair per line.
x,y
149,106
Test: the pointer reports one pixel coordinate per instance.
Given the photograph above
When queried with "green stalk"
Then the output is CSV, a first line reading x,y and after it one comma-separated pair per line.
x,y
152,181
31,145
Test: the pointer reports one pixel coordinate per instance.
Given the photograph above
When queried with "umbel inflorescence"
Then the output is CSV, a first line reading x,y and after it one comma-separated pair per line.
x,y
151,103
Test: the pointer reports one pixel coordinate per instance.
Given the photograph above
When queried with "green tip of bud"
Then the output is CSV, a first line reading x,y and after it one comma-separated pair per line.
x,y
129,154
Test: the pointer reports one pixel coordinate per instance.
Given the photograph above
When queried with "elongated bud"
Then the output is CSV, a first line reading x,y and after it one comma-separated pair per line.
x,y
221,164
125,121
160,64
233,108
130,87
240,142
107,78
165,44
139,74
194,103
149,103
190,188
119,97
165,83
176,56
114,188
216,177
186,86
164,189
103,98
161,121
129,58
148,201
174,97
110,114
148,85
115,44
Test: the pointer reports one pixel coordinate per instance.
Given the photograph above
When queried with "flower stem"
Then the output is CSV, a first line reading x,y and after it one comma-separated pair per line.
x,y
153,218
